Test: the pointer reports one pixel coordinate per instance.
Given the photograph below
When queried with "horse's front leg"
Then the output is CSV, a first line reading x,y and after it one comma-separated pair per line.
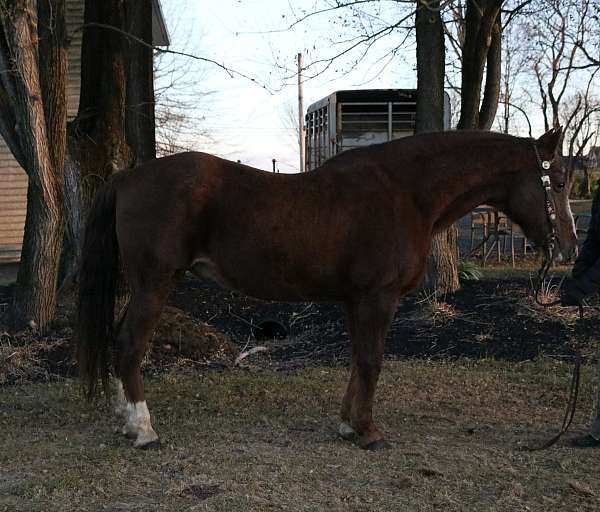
x,y
369,319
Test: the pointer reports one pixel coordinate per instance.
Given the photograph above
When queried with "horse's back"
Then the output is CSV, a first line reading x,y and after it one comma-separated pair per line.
x,y
181,204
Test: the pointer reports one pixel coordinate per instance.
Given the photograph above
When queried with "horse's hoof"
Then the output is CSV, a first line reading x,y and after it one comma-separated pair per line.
x,y
147,440
128,432
377,445
152,445
346,432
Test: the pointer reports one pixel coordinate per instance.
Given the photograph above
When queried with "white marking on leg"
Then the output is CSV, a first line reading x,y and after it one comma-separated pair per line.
x,y
138,424
119,402
346,431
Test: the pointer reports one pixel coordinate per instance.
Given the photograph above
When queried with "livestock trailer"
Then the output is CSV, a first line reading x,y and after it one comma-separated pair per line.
x,y
350,119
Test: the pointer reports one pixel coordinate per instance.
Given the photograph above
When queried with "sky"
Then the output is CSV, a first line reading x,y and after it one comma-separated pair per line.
x,y
243,119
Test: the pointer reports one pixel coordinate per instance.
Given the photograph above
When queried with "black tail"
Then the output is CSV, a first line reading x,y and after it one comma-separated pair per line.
x,y
98,278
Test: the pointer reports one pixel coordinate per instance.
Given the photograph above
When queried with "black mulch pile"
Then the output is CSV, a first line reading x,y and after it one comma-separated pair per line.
x,y
495,318
206,325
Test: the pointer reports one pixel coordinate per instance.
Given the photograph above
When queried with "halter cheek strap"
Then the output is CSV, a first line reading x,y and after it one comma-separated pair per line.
x,y
543,168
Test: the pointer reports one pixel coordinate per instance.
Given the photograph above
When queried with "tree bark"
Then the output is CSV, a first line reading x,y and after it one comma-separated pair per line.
x,y
38,78
53,68
99,128
139,117
480,20
442,263
98,144
491,93
114,127
431,67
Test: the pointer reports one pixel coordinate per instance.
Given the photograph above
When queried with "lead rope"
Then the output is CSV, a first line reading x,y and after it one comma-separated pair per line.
x,y
571,404
541,278
543,166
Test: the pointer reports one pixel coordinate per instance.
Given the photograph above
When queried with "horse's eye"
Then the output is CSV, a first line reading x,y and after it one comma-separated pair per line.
x,y
560,186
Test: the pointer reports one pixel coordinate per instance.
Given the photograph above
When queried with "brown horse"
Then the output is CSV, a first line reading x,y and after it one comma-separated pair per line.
x,y
355,231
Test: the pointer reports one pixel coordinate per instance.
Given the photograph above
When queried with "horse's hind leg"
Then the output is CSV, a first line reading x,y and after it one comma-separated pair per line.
x,y
369,320
119,401
143,313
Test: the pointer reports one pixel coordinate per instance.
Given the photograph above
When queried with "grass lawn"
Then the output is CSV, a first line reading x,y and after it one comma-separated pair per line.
x,y
253,440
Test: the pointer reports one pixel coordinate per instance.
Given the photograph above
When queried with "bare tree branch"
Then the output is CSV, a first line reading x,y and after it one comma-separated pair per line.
x,y
230,71
512,13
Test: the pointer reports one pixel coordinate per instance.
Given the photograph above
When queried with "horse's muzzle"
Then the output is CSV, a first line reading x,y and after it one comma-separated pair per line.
x,y
564,255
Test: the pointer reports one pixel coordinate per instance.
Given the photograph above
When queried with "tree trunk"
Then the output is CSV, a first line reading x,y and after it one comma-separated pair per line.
x,y
97,136
35,293
491,93
114,127
431,67
480,20
74,219
585,187
442,263
139,117
40,106
99,128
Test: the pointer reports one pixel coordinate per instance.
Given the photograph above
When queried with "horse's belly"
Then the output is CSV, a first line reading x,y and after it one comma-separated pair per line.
x,y
267,282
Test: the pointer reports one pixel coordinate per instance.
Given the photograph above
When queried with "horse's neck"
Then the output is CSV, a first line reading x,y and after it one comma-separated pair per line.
x,y
454,185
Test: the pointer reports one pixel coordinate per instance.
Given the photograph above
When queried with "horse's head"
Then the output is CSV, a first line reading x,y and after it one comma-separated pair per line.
x,y
539,198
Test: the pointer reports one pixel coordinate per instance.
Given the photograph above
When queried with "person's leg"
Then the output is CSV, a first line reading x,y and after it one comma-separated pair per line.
x,y
595,430
592,440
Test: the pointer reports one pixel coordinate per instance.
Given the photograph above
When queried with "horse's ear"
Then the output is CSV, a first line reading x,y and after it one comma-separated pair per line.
x,y
551,139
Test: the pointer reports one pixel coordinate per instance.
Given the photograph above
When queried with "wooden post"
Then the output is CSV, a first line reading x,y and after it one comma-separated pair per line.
x,y
301,139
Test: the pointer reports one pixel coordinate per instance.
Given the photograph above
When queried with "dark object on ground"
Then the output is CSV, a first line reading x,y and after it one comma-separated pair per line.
x,y
570,293
586,442
269,330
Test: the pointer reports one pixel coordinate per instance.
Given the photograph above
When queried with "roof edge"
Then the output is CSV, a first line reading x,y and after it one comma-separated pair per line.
x,y
160,33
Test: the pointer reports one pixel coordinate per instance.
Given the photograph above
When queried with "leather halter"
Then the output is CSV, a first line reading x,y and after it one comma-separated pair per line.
x,y
543,168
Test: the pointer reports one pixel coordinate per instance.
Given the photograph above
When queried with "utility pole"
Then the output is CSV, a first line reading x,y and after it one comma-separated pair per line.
x,y
301,140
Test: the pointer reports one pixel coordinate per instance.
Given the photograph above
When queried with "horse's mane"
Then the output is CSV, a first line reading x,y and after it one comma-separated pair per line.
x,y
425,142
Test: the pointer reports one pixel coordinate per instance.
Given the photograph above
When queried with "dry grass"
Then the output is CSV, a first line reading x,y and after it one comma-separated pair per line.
x,y
433,310
25,360
241,440
179,340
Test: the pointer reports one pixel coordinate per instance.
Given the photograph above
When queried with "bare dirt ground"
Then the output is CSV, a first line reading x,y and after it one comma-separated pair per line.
x,y
466,384
263,440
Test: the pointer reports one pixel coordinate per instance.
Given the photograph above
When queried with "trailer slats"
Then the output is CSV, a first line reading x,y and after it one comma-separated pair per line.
x,y
349,119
